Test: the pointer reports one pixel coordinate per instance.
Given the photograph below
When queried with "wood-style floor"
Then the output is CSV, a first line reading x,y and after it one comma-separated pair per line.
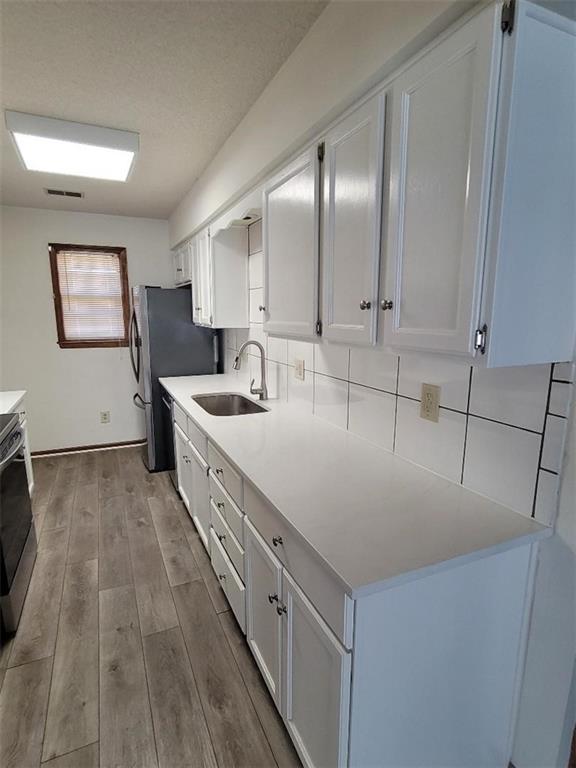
x,y
126,653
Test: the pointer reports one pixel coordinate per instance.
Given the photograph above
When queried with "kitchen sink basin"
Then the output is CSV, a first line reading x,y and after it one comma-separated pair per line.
x,y
228,404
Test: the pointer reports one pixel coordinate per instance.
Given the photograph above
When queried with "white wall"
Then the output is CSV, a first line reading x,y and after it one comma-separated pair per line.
x,y
67,388
350,47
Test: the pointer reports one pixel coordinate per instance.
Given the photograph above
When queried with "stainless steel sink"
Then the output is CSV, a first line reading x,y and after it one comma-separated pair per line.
x,y
228,404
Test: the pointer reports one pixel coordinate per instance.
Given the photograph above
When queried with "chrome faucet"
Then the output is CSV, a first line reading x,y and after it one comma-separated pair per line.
x,y
262,390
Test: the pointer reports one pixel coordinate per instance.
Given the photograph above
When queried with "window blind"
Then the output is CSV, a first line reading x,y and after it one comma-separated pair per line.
x,y
92,296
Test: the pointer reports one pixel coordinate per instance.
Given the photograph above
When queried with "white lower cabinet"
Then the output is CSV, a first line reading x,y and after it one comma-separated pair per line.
x,y
231,583
264,608
200,501
305,667
315,682
183,468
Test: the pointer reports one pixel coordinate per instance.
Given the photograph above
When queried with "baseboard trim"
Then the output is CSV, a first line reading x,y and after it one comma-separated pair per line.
x,y
81,448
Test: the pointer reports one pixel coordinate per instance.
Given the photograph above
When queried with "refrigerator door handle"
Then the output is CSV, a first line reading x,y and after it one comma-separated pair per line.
x,y
139,403
134,346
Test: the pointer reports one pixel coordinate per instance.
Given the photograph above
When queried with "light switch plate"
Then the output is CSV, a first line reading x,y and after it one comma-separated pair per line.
x,y
430,402
299,369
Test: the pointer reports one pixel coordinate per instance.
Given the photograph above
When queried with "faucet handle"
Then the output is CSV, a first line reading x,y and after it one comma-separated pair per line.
x,y
255,390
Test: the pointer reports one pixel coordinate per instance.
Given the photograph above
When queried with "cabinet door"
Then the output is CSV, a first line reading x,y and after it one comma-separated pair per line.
x,y
187,261
263,590
200,501
196,280
183,470
290,239
178,266
442,136
316,682
352,205
205,278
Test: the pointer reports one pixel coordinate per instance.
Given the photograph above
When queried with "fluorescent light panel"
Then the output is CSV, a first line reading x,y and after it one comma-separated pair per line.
x,y
72,149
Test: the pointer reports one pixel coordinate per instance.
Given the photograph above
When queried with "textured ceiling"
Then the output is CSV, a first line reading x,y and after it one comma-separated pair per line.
x,y
181,74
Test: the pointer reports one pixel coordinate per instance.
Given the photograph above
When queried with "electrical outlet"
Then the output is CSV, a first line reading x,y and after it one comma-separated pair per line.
x,y
104,417
430,402
299,369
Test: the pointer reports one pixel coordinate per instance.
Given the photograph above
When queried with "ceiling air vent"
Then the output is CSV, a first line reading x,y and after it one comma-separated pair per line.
x,y
63,193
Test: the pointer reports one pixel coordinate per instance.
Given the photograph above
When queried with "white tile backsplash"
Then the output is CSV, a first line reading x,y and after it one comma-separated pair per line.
x,y
301,350
256,300
560,396
374,368
255,333
276,378
278,350
514,396
546,498
371,415
331,400
553,443
331,359
436,446
502,463
452,376
564,371
301,392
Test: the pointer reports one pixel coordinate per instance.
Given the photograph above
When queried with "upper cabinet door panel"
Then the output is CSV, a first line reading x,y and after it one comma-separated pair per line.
x,y
442,135
205,277
291,220
351,224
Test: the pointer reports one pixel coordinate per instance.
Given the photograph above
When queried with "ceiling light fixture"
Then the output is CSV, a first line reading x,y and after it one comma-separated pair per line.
x,y
72,149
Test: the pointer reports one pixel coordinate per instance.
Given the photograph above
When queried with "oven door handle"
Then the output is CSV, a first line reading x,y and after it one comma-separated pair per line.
x,y
13,453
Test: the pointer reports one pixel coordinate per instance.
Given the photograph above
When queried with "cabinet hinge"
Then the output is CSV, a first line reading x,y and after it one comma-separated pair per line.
x,y
480,338
507,17
319,327
321,152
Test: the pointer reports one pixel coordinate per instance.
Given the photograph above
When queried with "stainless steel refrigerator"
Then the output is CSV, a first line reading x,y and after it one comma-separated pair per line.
x,y
165,342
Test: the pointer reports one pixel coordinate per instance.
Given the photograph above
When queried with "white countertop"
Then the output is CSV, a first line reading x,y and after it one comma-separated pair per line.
x,y
375,519
9,401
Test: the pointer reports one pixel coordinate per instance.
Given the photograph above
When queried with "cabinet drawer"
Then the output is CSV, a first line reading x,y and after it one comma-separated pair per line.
x,y
228,509
180,417
231,583
228,540
198,439
226,474
319,585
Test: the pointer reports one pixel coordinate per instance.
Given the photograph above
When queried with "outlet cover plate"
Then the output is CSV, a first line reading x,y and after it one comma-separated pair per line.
x,y
104,417
299,369
430,402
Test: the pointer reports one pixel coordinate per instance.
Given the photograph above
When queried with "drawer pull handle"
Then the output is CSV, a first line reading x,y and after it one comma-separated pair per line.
x,y
272,599
222,576
221,536
277,540
219,471
220,504
280,609
261,308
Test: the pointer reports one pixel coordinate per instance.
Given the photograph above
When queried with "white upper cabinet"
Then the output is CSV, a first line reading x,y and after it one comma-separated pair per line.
x,y
481,226
220,278
352,203
290,239
441,142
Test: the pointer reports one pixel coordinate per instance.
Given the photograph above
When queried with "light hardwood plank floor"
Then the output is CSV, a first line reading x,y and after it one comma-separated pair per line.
x,y
127,655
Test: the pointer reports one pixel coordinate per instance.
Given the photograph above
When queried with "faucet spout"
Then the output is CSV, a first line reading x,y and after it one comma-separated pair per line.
x,y
262,390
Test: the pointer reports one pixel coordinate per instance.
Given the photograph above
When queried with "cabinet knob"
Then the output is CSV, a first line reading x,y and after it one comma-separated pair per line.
x,y
197,309
277,540
272,598
221,536
220,504
386,304
280,609
219,471
222,576
365,304
179,269
261,308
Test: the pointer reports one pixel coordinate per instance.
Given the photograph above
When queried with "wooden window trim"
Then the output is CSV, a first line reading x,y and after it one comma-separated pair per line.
x,y
63,343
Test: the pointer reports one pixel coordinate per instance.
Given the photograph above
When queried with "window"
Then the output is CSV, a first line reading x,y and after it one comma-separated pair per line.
x,y
90,285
